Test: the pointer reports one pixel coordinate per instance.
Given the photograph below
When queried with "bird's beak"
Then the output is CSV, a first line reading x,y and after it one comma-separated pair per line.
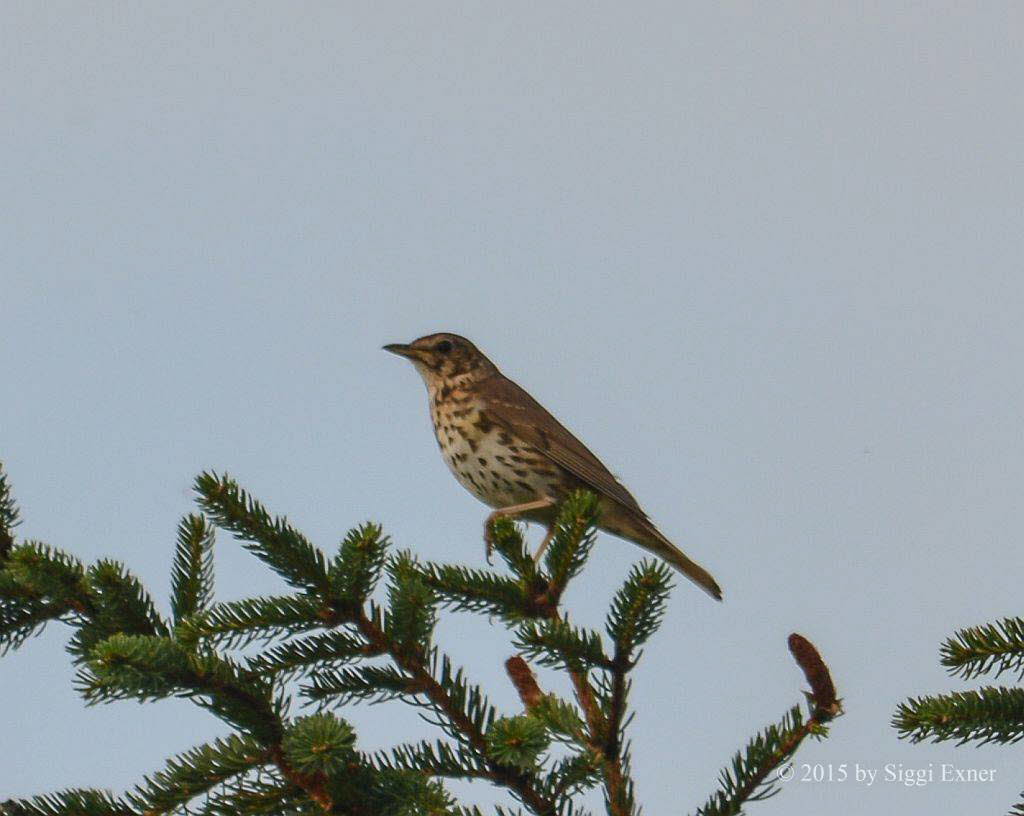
x,y
402,350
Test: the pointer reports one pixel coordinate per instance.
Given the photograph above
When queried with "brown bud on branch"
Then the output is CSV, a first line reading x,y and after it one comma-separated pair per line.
x,y
823,690
524,681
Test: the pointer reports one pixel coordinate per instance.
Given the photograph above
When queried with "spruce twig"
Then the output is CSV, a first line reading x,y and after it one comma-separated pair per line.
x,y
347,646
990,714
748,777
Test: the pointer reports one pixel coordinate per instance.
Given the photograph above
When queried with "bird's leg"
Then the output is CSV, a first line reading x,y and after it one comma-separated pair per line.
x,y
512,511
544,544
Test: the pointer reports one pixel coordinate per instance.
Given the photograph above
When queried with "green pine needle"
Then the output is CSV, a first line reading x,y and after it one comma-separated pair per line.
x,y
370,683
234,624
39,583
192,571
24,618
639,606
508,541
119,604
272,539
468,698
573,539
197,772
357,566
559,644
990,714
434,758
411,613
980,649
320,743
473,590
122,602
574,774
75,802
561,718
138,667
517,741
256,797
748,778
46,571
316,652
9,516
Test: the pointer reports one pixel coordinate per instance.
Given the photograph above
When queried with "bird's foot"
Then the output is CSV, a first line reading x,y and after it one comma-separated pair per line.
x,y
511,512
544,544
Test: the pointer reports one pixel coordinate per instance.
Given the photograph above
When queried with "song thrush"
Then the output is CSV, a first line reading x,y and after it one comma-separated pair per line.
x,y
510,453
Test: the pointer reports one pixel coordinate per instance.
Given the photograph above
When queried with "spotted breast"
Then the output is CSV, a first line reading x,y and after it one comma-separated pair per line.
x,y
488,461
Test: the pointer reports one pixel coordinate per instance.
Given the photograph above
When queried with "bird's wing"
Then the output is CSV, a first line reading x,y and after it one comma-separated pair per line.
x,y
510,407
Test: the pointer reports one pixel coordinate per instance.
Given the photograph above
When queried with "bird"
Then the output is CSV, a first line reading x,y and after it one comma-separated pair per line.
x,y
509,452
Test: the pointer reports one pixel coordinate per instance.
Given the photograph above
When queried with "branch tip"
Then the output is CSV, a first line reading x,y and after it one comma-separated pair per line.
x,y
823,690
524,680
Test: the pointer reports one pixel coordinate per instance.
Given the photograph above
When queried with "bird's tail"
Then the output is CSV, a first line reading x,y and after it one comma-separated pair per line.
x,y
650,538
636,527
674,556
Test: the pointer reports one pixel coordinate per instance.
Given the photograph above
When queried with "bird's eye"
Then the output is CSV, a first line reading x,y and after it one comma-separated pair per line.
x,y
444,346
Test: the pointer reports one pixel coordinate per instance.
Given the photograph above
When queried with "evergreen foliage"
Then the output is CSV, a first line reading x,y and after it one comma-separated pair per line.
x,y
342,638
990,714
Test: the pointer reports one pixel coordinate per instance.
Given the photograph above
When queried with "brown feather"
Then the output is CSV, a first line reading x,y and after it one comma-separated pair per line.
x,y
511,407
514,410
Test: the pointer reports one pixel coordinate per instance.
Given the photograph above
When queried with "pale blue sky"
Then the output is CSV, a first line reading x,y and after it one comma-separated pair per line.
x,y
764,260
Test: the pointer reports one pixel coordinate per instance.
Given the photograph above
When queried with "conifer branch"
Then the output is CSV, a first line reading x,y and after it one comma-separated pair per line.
x,y
233,624
258,798
18,622
575,773
472,590
465,715
980,649
504,536
356,568
556,643
411,614
748,777
990,714
75,802
373,683
192,572
320,651
39,584
436,759
46,572
196,772
120,604
9,516
274,765
274,540
638,607
150,668
574,535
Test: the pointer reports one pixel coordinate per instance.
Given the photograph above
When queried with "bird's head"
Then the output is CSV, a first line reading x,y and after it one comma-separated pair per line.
x,y
445,357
